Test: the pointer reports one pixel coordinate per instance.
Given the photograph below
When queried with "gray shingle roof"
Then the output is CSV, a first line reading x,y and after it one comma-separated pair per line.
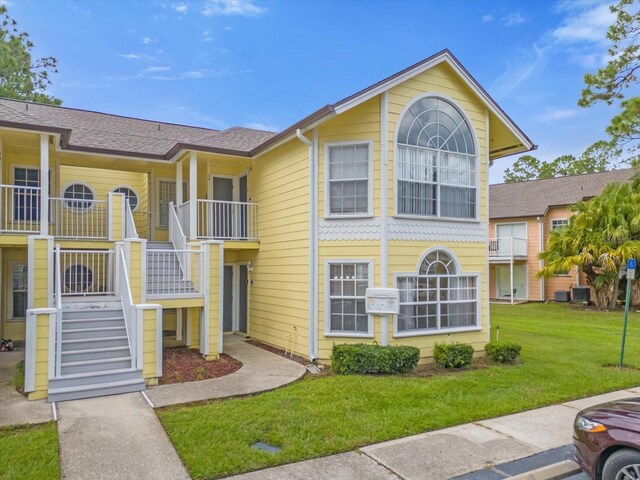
x,y
93,131
533,198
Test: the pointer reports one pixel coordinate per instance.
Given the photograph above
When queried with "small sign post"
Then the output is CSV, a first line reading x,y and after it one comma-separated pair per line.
x,y
631,273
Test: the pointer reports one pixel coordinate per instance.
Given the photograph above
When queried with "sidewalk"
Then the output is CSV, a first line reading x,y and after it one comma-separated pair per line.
x,y
451,452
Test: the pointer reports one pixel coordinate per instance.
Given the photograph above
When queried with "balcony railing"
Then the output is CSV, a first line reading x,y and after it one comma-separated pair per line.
x,y
174,273
85,272
19,209
227,220
74,218
508,247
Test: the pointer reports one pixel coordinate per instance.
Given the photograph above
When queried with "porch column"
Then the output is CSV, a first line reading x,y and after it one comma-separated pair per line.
x,y
178,183
511,278
193,196
44,184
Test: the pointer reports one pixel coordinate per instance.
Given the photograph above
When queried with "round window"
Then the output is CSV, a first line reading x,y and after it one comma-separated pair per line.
x,y
78,278
130,195
78,197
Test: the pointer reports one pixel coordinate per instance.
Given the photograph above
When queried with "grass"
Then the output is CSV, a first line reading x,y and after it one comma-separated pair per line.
x,y
18,378
563,357
29,452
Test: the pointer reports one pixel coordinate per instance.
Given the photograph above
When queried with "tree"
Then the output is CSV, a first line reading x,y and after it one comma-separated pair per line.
x,y
21,77
610,83
599,157
600,237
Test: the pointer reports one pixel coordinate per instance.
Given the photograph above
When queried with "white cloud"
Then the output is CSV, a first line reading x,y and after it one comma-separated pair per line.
x,y
487,18
138,56
530,63
206,36
180,7
244,8
513,19
261,126
157,69
555,114
147,40
585,25
193,74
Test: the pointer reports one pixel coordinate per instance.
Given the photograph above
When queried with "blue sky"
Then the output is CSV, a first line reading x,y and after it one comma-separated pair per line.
x,y
265,64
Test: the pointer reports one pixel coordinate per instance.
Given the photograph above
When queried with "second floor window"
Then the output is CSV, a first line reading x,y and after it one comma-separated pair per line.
x,y
556,224
348,180
437,165
78,197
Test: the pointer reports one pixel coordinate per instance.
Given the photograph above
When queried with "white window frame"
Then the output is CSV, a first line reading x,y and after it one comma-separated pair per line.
x,y
135,192
555,226
157,202
10,265
479,163
441,331
78,211
327,191
327,298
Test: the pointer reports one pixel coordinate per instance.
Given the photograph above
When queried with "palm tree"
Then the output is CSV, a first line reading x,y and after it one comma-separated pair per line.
x,y
600,237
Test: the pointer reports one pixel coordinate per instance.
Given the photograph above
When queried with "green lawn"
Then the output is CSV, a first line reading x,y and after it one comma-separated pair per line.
x,y
29,452
564,353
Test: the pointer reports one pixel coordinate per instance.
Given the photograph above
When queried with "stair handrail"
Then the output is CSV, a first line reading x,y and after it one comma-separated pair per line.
x,y
128,307
58,290
178,239
130,224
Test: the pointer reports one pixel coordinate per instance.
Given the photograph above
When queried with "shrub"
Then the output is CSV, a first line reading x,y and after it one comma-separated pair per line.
x,y
373,358
452,355
503,352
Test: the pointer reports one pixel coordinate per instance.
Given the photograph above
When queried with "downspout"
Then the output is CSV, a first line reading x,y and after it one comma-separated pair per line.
x,y
313,212
540,250
384,206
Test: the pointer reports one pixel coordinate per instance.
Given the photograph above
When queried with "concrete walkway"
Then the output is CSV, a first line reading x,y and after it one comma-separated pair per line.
x,y
261,371
15,409
451,452
116,437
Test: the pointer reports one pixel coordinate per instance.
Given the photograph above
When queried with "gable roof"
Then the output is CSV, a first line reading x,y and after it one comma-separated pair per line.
x,y
87,131
533,198
95,132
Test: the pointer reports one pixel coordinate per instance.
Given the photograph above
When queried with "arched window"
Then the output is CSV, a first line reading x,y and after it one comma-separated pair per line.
x,y
78,197
130,195
78,278
438,297
436,161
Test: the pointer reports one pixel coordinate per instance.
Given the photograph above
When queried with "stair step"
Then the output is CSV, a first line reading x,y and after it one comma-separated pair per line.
x,y
92,313
93,332
75,323
95,390
94,353
96,365
89,343
94,377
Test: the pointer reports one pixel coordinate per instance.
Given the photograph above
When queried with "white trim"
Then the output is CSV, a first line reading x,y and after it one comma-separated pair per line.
x,y
73,209
179,184
327,194
193,196
540,249
436,230
327,297
485,216
349,228
315,145
443,57
440,248
30,270
478,157
44,185
384,208
206,292
135,192
424,333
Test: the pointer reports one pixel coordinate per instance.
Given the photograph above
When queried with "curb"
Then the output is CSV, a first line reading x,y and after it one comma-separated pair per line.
x,y
551,472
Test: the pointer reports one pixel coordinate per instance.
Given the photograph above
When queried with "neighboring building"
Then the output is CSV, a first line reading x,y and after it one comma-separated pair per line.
x,y
522,215
155,228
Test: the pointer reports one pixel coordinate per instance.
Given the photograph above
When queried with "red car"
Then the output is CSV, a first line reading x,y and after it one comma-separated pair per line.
x,y
607,440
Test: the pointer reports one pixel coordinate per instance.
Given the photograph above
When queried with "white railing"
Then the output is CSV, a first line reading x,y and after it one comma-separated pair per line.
x,y
57,368
182,212
142,221
85,272
19,209
177,237
73,218
123,290
227,220
508,247
129,222
167,278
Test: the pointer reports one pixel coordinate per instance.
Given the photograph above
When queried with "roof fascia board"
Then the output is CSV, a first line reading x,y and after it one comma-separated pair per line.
x,y
471,83
21,127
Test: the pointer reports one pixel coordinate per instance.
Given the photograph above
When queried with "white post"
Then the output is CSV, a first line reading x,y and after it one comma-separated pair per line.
x,y
44,184
193,196
179,324
179,183
511,278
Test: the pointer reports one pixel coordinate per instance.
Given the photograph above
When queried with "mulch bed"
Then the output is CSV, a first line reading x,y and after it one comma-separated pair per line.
x,y
183,365
279,351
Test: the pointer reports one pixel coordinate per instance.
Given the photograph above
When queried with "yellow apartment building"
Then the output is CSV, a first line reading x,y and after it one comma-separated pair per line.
x,y
366,221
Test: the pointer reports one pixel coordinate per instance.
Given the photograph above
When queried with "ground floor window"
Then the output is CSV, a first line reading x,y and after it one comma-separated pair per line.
x,y
438,297
19,290
346,285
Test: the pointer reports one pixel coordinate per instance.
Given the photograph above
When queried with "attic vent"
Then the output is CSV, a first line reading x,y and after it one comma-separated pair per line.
x,y
26,106
158,127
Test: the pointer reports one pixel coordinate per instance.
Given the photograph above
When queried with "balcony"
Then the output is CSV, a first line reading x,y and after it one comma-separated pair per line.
x,y
220,220
19,209
506,248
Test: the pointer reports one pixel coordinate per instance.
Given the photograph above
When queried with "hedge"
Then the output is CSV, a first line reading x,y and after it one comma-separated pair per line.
x,y
503,352
452,355
372,358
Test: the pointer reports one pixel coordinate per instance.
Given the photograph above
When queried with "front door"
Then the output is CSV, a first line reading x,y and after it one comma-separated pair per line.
x,y
242,299
227,308
235,306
